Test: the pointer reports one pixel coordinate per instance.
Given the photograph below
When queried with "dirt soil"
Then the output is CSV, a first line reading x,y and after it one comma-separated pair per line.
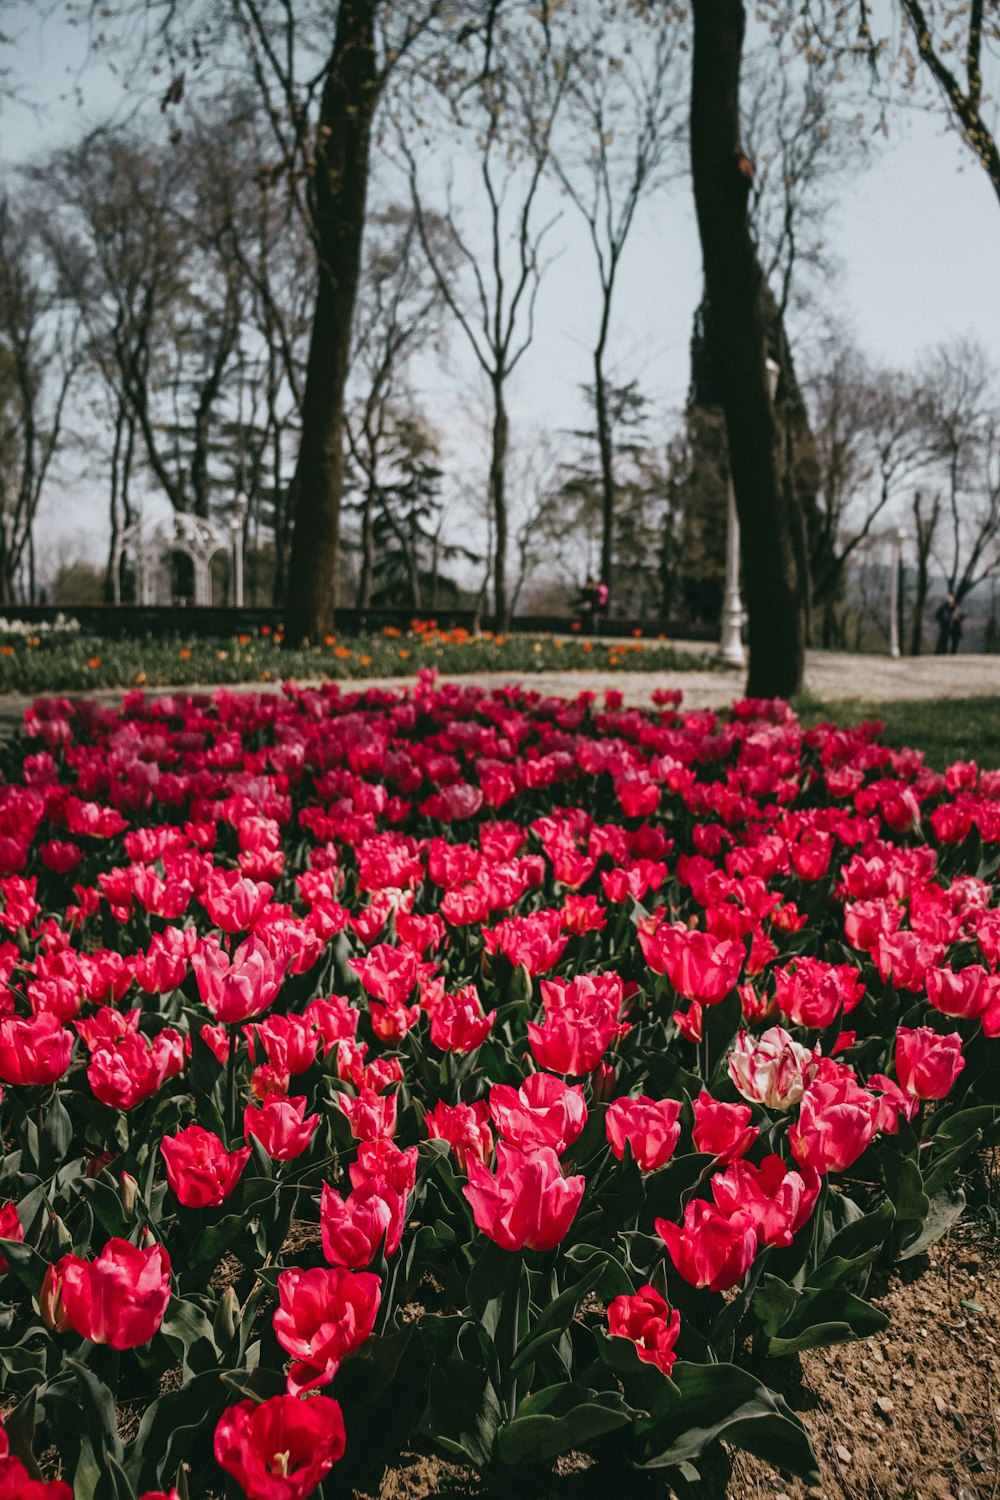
x,y
914,1412
910,1414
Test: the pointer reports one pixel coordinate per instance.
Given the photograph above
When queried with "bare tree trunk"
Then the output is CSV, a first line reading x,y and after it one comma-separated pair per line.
x,y
114,561
734,284
925,527
498,499
339,190
606,455
367,575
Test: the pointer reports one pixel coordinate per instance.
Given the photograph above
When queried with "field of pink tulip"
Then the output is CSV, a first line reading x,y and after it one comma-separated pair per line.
x,y
468,1072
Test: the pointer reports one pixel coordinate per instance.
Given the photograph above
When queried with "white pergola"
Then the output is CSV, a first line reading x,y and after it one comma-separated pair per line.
x,y
194,537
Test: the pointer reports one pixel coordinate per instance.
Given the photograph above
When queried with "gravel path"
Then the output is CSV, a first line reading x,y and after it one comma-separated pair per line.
x,y
830,676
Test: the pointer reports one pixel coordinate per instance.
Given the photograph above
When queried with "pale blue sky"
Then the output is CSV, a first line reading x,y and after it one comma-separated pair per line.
x,y
917,238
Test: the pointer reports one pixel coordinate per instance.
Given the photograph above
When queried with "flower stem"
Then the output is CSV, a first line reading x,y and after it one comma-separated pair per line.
x,y
512,1316
231,1086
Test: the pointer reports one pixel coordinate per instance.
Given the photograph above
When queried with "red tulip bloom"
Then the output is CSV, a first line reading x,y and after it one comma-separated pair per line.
x,y
233,902
699,966
280,1449
543,1112
281,1126
16,1483
711,1248
536,941
527,1202
353,1228
892,1103
35,1050
570,1044
381,1161
458,1023
60,855
466,1129
837,1121
906,960
163,966
581,914
11,1228
581,1022
106,1027
199,1168
647,1320
391,1023
118,1299
289,1042
370,1115
777,1199
722,1130
813,993
650,1126
927,1064
132,1069
388,974
245,985
324,1316
334,1019
964,992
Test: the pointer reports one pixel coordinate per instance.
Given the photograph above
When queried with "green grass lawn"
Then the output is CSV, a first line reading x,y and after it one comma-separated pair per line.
x,y
946,729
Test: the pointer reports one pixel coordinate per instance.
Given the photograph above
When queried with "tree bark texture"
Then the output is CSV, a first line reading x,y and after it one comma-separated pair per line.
x,y
498,501
734,284
604,445
338,194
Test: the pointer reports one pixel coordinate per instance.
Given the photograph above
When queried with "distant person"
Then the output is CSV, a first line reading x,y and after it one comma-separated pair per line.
x,y
944,615
587,603
603,593
958,619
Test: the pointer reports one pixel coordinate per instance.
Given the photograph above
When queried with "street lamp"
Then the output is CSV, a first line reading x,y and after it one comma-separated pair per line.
x,y
731,641
239,516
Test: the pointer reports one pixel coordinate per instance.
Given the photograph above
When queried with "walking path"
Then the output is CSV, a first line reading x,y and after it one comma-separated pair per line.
x,y
831,676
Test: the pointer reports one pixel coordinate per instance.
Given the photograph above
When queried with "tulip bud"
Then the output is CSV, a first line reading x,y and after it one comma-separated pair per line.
x,y
227,1317
127,1191
520,985
604,1081
50,1303
58,1239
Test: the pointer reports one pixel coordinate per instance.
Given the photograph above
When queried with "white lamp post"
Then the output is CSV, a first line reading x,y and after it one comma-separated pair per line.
x,y
731,641
239,516
898,538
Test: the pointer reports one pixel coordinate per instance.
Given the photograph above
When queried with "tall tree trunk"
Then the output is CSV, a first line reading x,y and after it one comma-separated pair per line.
x,y
734,285
367,574
498,499
605,453
114,561
925,527
339,190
